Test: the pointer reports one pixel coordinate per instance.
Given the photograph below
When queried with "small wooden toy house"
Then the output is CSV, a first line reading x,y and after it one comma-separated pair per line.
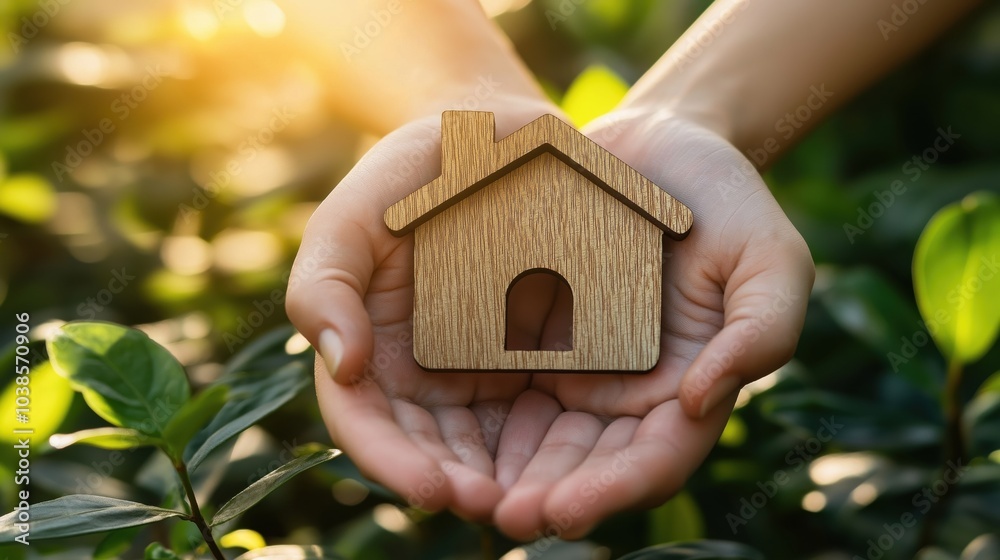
x,y
545,198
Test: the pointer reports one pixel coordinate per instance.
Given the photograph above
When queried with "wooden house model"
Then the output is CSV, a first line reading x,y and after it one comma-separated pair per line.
x,y
545,198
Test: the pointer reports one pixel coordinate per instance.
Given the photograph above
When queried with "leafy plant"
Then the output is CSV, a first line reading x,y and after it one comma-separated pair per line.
x,y
142,390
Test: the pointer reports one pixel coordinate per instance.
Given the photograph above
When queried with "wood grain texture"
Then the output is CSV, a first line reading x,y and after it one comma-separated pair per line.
x,y
547,198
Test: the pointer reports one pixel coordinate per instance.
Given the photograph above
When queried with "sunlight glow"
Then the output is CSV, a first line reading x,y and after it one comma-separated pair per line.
x,y
297,344
83,63
834,468
349,492
864,494
494,8
186,255
200,22
516,554
391,518
238,250
264,17
814,501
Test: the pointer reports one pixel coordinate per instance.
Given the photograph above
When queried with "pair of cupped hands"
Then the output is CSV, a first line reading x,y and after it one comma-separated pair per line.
x,y
548,453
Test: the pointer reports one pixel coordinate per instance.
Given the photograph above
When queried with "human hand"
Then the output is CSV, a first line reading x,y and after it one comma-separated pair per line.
x,y
430,437
577,448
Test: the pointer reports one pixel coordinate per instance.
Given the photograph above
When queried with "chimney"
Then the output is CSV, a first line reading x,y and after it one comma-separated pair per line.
x,y
467,144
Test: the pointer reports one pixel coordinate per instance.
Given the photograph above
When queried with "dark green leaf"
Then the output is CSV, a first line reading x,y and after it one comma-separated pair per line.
x,y
290,552
251,397
258,490
125,377
82,514
866,305
851,423
956,276
981,419
701,550
991,385
193,416
115,544
269,343
157,551
105,438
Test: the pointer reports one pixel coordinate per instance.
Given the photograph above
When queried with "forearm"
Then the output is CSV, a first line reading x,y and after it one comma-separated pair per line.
x,y
397,60
762,72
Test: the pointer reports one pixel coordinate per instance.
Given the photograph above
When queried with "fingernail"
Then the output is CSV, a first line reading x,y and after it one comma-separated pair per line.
x,y
717,393
332,350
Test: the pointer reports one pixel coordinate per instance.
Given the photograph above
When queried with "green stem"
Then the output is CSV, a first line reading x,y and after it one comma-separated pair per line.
x,y
196,517
954,436
954,448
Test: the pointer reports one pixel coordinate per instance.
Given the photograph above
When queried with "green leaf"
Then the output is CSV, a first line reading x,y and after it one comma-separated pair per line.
x,y
46,386
866,305
27,197
115,544
82,514
981,420
700,550
677,520
252,396
290,552
991,385
258,490
593,93
851,423
157,551
269,343
193,416
105,438
125,377
956,276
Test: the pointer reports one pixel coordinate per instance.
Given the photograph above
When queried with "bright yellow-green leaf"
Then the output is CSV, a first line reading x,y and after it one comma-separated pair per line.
x,y
27,197
735,433
956,276
243,538
593,93
50,396
677,520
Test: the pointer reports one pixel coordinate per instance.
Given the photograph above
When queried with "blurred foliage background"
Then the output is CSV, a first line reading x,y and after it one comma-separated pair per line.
x,y
159,159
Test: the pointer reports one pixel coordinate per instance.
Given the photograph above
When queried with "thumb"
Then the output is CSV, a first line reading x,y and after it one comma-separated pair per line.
x,y
764,317
325,304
